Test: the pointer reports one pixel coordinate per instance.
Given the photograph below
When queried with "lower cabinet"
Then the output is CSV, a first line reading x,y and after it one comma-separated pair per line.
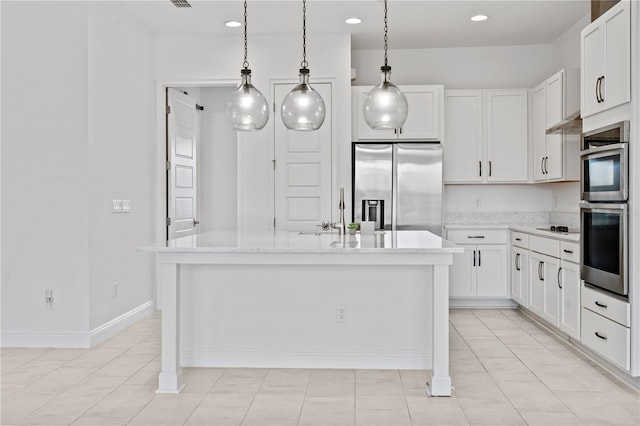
x,y
570,298
544,275
481,271
520,276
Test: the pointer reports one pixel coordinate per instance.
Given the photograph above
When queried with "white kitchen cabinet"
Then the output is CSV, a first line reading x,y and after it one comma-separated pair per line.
x,y
606,61
464,130
520,276
544,297
556,155
481,272
486,136
423,119
570,298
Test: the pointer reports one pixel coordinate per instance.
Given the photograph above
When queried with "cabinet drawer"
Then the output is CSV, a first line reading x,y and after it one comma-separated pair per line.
x,y
544,245
609,339
605,305
519,239
570,251
478,236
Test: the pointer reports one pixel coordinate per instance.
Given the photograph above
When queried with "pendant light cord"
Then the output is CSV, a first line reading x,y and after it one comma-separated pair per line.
x,y
245,64
304,62
386,38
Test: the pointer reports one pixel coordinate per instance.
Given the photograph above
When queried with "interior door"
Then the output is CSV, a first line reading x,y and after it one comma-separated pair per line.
x,y
302,169
182,131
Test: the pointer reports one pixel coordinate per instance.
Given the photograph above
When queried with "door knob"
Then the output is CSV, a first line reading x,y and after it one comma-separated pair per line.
x,y
195,222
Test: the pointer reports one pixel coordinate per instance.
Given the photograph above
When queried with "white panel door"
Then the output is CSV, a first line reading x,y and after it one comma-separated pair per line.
x,y
423,118
463,273
570,299
302,169
491,270
539,132
592,68
507,135
462,149
616,85
182,131
536,283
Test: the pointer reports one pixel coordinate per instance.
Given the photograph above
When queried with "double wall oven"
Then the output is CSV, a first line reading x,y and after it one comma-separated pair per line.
x,y
604,209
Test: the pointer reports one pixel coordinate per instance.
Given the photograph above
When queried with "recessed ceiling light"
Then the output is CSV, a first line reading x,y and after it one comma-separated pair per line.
x,y
478,18
232,24
353,21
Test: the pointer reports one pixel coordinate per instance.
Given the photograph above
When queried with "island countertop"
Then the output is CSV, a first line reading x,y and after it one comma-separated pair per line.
x,y
387,242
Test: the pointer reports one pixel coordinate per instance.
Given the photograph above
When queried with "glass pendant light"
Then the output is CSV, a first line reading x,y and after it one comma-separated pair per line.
x,y
246,109
385,107
303,108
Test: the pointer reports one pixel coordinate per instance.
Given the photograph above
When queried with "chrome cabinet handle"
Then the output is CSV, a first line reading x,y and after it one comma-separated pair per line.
x,y
517,261
542,165
603,337
600,305
558,277
600,89
597,84
541,271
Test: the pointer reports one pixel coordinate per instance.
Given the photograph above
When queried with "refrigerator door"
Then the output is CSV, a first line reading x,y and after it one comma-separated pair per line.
x,y
418,187
373,178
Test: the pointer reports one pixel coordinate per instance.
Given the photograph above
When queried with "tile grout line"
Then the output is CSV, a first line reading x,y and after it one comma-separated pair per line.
x,y
306,389
204,395
254,397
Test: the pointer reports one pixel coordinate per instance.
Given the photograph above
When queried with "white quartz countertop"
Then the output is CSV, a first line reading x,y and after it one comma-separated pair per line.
x,y
294,242
527,229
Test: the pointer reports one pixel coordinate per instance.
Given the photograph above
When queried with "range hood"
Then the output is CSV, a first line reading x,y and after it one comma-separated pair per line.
x,y
572,125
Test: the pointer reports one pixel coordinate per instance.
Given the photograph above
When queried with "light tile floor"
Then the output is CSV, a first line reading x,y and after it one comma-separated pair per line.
x,y
506,371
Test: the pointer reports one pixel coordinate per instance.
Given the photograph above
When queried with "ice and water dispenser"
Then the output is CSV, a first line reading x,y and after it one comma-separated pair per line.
x,y
373,211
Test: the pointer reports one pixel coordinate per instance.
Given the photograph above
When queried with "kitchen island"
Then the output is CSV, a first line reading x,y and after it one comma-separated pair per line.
x,y
337,258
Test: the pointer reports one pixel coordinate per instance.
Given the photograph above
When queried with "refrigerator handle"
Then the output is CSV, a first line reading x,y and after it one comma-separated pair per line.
x,y
394,186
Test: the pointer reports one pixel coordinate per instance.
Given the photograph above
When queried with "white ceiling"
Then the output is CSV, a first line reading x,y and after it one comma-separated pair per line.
x,y
412,24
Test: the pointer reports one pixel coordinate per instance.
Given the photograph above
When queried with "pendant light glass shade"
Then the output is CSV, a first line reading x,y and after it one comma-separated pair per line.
x,y
386,107
303,108
247,109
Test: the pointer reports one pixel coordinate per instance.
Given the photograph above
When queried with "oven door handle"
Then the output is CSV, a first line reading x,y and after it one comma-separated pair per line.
x,y
598,149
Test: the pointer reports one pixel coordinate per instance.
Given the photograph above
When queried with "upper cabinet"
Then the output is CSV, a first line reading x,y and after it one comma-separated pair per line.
x,y
606,61
556,155
486,136
423,121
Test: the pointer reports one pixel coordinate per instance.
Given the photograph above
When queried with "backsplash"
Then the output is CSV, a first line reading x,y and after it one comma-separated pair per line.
x,y
497,218
572,220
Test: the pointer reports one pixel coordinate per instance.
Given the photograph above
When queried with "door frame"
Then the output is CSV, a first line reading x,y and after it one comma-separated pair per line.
x,y
335,190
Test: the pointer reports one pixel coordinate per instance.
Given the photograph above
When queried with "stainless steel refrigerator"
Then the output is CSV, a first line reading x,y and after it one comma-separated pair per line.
x,y
398,185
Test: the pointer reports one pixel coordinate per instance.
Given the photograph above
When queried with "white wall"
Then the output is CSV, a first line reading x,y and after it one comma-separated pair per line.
x,y
45,169
566,48
217,164
460,67
121,164
272,58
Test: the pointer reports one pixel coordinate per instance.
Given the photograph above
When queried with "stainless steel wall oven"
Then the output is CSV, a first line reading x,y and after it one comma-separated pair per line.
x,y
604,233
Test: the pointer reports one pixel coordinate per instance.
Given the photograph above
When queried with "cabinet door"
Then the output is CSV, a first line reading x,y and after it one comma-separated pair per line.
x,y
616,89
539,132
536,284
423,119
570,299
520,276
462,150
592,67
463,273
555,99
554,163
551,274
507,135
363,131
491,271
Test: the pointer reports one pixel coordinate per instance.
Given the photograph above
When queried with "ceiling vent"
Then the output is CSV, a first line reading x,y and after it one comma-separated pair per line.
x,y
180,3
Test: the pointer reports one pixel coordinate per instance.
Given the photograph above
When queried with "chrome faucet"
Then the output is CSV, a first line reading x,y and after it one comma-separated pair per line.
x,y
341,226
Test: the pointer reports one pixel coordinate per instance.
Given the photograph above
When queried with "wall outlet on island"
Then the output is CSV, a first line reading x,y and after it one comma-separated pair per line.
x,y
341,313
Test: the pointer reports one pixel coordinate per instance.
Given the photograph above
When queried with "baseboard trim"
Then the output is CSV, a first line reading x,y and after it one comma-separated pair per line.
x,y
116,325
482,303
338,360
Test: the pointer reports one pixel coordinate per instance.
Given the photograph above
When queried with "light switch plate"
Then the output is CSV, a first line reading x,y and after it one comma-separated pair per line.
x,y
126,206
117,206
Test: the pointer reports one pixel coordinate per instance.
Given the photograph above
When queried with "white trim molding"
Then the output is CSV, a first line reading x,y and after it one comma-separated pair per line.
x,y
116,325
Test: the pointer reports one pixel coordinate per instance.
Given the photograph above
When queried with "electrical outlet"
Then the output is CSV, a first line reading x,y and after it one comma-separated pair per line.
x,y
48,298
341,313
477,202
115,289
